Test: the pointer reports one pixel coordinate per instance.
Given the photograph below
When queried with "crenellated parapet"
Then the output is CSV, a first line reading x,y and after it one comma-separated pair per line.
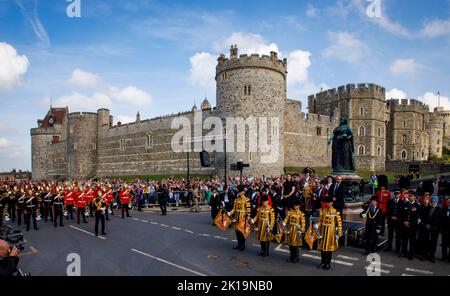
x,y
250,61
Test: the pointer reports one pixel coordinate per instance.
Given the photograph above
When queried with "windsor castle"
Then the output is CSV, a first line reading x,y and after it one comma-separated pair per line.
x,y
83,145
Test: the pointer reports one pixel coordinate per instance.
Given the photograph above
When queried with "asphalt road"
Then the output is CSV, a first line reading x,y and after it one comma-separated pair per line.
x,y
186,244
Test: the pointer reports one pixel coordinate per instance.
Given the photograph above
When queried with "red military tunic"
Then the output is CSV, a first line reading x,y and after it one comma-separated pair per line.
x,y
383,197
69,199
124,197
108,196
89,194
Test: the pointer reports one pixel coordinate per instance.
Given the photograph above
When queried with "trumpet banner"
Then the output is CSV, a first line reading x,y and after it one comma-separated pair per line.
x,y
222,221
244,227
310,236
280,233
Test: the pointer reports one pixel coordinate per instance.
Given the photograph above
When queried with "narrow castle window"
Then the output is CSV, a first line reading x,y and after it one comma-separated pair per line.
x,y
361,150
361,111
403,123
122,144
404,138
439,142
379,132
319,131
362,131
250,156
247,90
94,146
404,154
438,150
75,146
379,151
149,141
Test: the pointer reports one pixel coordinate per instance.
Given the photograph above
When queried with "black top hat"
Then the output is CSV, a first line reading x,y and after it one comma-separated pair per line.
x,y
374,197
264,198
328,199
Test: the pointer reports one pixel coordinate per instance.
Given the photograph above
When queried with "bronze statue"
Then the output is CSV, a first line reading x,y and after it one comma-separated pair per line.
x,y
343,160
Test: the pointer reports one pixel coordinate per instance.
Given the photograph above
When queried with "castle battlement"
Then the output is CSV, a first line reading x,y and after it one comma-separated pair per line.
x,y
360,90
408,105
44,131
251,61
78,115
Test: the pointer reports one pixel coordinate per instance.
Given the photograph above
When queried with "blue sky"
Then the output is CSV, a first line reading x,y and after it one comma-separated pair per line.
x,y
159,56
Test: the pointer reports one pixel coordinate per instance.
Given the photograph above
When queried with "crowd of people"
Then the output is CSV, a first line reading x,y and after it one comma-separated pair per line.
x,y
274,207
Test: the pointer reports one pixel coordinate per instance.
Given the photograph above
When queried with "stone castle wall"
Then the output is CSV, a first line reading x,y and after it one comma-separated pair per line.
x,y
306,136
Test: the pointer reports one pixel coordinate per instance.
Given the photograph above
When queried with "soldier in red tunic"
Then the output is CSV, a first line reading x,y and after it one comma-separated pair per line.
x,y
81,205
383,197
69,201
125,200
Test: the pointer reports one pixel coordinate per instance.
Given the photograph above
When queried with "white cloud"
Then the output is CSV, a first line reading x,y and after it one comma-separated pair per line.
x,y
311,11
405,67
298,65
436,28
29,11
4,127
395,94
80,101
432,100
391,26
12,66
345,46
124,119
248,43
203,69
4,142
83,78
131,95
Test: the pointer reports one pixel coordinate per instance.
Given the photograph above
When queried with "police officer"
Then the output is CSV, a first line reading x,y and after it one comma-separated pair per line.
x,y
411,214
394,216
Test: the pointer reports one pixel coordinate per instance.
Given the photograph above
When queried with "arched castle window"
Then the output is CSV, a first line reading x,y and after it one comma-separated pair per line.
x,y
404,138
122,144
149,141
361,111
362,131
404,154
361,150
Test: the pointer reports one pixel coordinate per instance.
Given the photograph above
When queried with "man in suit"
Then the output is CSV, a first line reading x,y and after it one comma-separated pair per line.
x,y
337,193
432,219
226,199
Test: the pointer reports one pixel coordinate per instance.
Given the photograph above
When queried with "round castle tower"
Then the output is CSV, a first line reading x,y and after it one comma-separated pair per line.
x,y
252,88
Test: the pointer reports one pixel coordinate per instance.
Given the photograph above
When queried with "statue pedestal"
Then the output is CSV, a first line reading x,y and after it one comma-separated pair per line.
x,y
352,211
353,205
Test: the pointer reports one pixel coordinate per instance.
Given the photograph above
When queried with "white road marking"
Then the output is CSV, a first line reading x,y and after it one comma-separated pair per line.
x,y
220,237
234,241
154,223
176,228
204,234
135,219
164,225
188,231
405,274
419,271
378,269
169,263
87,232
387,265
348,258
145,221
334,261
280,249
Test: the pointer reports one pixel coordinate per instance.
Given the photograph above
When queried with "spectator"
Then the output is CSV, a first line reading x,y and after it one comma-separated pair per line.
x,y
8,259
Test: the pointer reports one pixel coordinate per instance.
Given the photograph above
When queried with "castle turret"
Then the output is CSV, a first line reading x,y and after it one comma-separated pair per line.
x,y
247,88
